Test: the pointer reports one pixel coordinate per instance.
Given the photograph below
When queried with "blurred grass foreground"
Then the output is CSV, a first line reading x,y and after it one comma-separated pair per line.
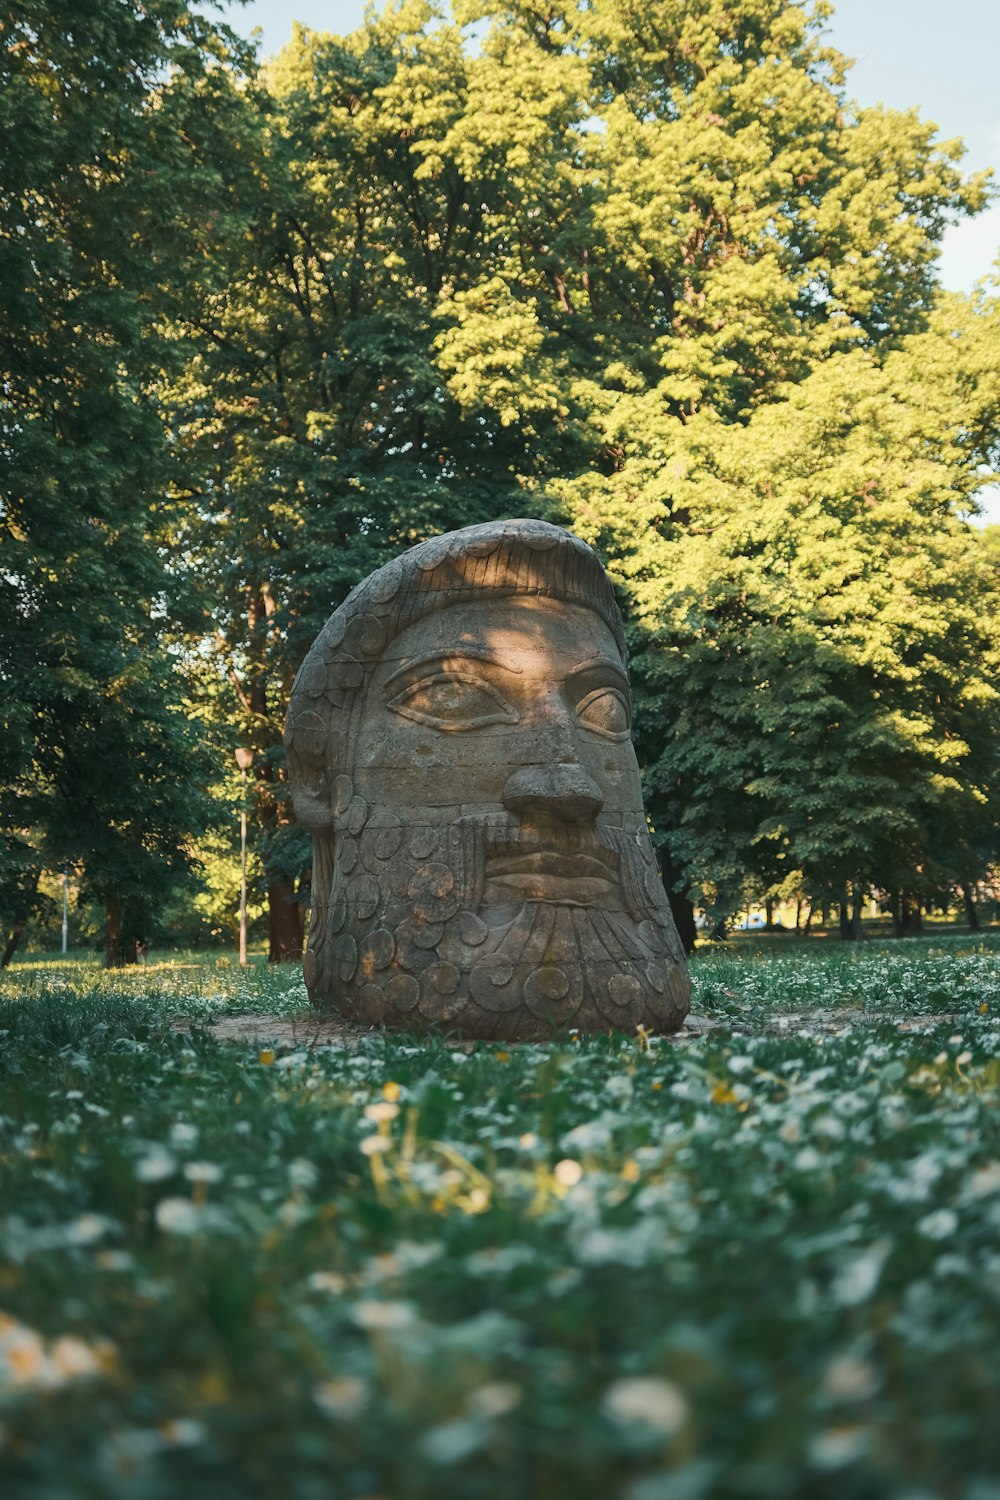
x,y
759,1261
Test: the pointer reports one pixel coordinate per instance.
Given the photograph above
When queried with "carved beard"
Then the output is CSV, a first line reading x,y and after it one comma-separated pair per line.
x,y
421,929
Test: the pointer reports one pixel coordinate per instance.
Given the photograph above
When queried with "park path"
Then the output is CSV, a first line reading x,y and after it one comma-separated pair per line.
x,y
309,1030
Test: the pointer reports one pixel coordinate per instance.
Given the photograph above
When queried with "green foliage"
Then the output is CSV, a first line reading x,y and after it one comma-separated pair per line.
x,y
99,763
587,1269
657,277
825,625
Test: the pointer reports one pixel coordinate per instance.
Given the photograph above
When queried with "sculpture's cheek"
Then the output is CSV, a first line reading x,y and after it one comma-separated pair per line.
x,y
412,771
616,772
408,789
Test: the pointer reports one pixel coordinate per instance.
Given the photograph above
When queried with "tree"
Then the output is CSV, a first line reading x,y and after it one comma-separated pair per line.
x,y
654,275
311,409
99,761
830,639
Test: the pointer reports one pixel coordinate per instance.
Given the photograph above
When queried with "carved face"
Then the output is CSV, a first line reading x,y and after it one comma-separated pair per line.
x,y
492,865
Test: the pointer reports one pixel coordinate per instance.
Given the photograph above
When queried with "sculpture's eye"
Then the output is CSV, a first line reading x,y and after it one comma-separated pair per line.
x,y
606,712
453,700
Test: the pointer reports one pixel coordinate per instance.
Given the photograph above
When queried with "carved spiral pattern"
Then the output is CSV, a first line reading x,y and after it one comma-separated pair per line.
x,y
402,949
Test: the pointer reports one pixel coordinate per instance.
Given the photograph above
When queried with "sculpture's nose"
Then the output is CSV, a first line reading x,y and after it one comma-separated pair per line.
x,y
562,791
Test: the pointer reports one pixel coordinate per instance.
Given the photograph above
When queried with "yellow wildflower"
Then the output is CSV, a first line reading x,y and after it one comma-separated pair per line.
x,y
723,1094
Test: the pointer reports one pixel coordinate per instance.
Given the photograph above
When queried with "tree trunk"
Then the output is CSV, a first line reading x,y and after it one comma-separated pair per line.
x,y
285,925
798,913
16,932
857,907
970,908
845,921
119,949
809,917
284,913
681,905
907,917
768,913
13,939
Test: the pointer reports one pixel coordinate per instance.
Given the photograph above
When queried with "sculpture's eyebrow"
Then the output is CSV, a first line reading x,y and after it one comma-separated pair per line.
x,y
454,653
602,664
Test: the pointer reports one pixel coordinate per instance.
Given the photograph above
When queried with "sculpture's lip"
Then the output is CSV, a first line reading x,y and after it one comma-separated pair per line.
x,y
549,862
546,875
579,890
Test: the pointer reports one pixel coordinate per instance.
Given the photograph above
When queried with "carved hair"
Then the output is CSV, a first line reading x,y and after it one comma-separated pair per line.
x,y
508,558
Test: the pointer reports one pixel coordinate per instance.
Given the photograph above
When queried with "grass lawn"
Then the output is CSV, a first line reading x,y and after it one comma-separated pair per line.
x,y
761,1263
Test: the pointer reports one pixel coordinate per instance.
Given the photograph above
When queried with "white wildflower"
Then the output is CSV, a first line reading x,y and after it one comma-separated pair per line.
x,y
858,1277
808,1159
984,1181
327,1281
302,1174
381,1317
939,1224
619,1086
648,1400
453,1442
87,1229
179,1216
495,1399
182,1432
26,1361
115,1260
592,1135
23,1358
203,1171
850,1378
73,1358
155,1164
838,1447
342,1397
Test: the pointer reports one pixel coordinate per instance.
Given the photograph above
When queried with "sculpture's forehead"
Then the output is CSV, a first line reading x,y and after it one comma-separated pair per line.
x,y
536,636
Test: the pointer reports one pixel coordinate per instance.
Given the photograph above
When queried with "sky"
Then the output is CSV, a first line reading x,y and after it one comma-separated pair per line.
x,y
939,58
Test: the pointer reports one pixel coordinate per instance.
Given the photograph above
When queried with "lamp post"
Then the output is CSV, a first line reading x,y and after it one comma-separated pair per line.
x,y
244,759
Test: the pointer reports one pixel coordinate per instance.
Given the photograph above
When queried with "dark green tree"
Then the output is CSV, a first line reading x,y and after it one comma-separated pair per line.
x,y
316,424
100,766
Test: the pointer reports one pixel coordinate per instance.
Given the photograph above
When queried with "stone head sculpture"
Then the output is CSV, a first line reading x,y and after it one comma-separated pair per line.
x,y
458,746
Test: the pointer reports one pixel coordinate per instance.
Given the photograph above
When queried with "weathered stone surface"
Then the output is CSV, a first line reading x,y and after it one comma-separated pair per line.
x,y
459,747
